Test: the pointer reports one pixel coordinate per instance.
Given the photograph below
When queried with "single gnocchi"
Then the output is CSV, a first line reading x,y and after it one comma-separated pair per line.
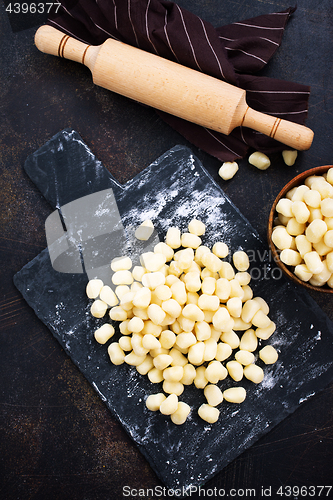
x,y
228,170
259,160
289,156
144,231
209,413
104,333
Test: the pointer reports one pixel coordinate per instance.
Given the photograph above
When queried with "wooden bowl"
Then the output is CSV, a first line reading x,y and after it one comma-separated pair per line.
x,y
287,270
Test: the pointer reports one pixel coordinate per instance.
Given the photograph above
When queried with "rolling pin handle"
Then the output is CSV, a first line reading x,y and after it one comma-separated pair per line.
x,y
52,41
289,133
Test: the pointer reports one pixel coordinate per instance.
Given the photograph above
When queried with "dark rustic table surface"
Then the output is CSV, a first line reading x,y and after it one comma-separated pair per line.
x,y
58,440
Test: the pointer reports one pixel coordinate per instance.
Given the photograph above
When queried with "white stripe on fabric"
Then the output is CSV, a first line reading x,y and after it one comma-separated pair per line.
x,y
268,40
67,31
115,15
242,134
166,35
189,40
147,30
288,112
129,16
67,11
248,54
258,27
212,49
102,29
220,142
238,39
278,91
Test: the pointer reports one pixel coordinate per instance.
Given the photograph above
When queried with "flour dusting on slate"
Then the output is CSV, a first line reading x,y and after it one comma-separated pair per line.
x,y
171,191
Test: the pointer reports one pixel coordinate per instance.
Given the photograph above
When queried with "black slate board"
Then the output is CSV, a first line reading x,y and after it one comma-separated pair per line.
x,y
171,191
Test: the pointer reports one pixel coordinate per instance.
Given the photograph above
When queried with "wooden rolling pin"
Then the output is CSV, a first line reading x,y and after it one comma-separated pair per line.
x,y
170,87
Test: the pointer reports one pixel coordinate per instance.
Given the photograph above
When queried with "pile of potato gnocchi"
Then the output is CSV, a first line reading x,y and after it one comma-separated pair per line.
x,y
303,229
185,316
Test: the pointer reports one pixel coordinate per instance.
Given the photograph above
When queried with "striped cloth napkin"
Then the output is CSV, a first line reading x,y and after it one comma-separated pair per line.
x,y
233,53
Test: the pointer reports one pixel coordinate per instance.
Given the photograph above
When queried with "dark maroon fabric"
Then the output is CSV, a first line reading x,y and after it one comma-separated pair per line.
x,y
233,53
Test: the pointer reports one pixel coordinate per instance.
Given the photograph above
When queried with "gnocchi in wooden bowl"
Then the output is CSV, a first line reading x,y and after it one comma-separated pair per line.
x,y
300,229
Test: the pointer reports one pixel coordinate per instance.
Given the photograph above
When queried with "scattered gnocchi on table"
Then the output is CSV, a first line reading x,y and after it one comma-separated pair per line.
x,y
182,313
258,159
